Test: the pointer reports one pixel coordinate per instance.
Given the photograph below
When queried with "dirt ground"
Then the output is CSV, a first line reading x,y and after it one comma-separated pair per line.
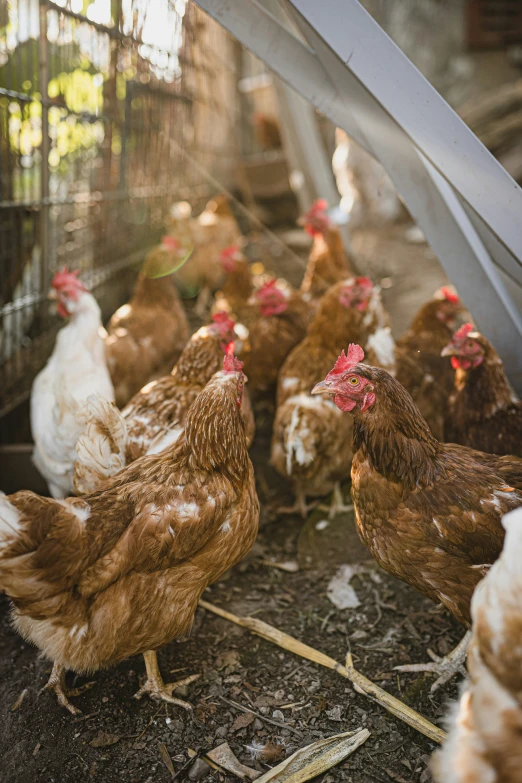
x,y
120,739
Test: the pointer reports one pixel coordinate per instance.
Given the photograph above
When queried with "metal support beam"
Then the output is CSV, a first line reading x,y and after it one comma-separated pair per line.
x,y
439,211
302,140
464,201
433,127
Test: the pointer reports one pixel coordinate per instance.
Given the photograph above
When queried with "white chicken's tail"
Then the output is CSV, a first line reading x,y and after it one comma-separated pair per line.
x,y
9,522
484,737
101,446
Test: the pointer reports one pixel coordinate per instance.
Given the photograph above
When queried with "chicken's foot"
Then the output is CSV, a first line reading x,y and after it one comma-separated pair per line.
x,y
338,506
446,667
156,688
56,683
300,506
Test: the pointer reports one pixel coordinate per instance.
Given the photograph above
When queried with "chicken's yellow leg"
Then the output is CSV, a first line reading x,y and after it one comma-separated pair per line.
x,y
56,683
338,506
300,506
446,668
156,688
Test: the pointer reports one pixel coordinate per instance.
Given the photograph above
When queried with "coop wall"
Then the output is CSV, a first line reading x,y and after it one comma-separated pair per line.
x,y
102,128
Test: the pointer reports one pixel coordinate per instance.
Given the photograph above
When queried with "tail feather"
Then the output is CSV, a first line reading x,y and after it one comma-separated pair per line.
x,y
102,445
42,548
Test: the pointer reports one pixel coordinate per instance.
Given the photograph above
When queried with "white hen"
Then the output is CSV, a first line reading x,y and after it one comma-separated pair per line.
x,y
483,744
77,368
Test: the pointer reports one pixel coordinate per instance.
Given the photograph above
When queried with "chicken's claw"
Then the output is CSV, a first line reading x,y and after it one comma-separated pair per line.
x,y
157,689
446,667
56,683
337,505
300,506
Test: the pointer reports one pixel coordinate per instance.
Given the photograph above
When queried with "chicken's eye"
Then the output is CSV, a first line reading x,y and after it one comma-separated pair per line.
x,y
353,381
471,344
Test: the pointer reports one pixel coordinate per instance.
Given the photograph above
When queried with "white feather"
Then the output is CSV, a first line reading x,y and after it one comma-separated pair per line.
x,y
100,449
76,369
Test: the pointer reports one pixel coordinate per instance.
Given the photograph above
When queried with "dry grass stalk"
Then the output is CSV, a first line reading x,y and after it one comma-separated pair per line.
x,y
361,683
311,761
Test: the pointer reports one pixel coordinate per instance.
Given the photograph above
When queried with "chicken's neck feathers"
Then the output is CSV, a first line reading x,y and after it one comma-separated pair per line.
x,y
426,324
484,390
82,331
214,436
396,439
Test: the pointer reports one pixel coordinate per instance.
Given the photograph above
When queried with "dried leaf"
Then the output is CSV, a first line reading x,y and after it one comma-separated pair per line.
x,y
339,590
166,758
291,566
242,721
103,739
311,761
335,713
224,757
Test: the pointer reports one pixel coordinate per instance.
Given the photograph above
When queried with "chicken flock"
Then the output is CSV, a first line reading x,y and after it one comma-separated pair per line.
x,y
142,433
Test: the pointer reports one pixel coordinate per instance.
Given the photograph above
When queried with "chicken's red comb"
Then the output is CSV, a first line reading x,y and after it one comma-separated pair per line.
x,y
269,288
67,281
346,361
230,252
362,282
231,363
449,295
320,205
170,242
462,333
223,319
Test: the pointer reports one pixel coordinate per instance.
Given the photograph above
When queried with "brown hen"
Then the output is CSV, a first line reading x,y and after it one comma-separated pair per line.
x,y
311,440
120,572
277,321
420,368
147,335
238,286
483,412
154,418
430,513
208,235
327,263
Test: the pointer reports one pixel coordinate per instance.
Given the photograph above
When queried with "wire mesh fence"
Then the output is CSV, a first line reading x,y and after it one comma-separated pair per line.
x,y
110,111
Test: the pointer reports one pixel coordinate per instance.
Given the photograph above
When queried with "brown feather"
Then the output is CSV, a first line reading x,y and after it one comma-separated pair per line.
x,y
430,513
145,335
120,572
483,411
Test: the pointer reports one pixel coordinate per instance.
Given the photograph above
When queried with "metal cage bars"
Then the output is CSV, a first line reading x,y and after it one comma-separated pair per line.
x,y
95,127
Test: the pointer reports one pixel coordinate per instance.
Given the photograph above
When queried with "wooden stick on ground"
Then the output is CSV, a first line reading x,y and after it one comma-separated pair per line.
x,y
361,683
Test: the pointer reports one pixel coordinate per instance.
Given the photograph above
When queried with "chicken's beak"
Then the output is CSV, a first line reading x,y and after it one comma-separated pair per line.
x,y
322,388
52,295
449,350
